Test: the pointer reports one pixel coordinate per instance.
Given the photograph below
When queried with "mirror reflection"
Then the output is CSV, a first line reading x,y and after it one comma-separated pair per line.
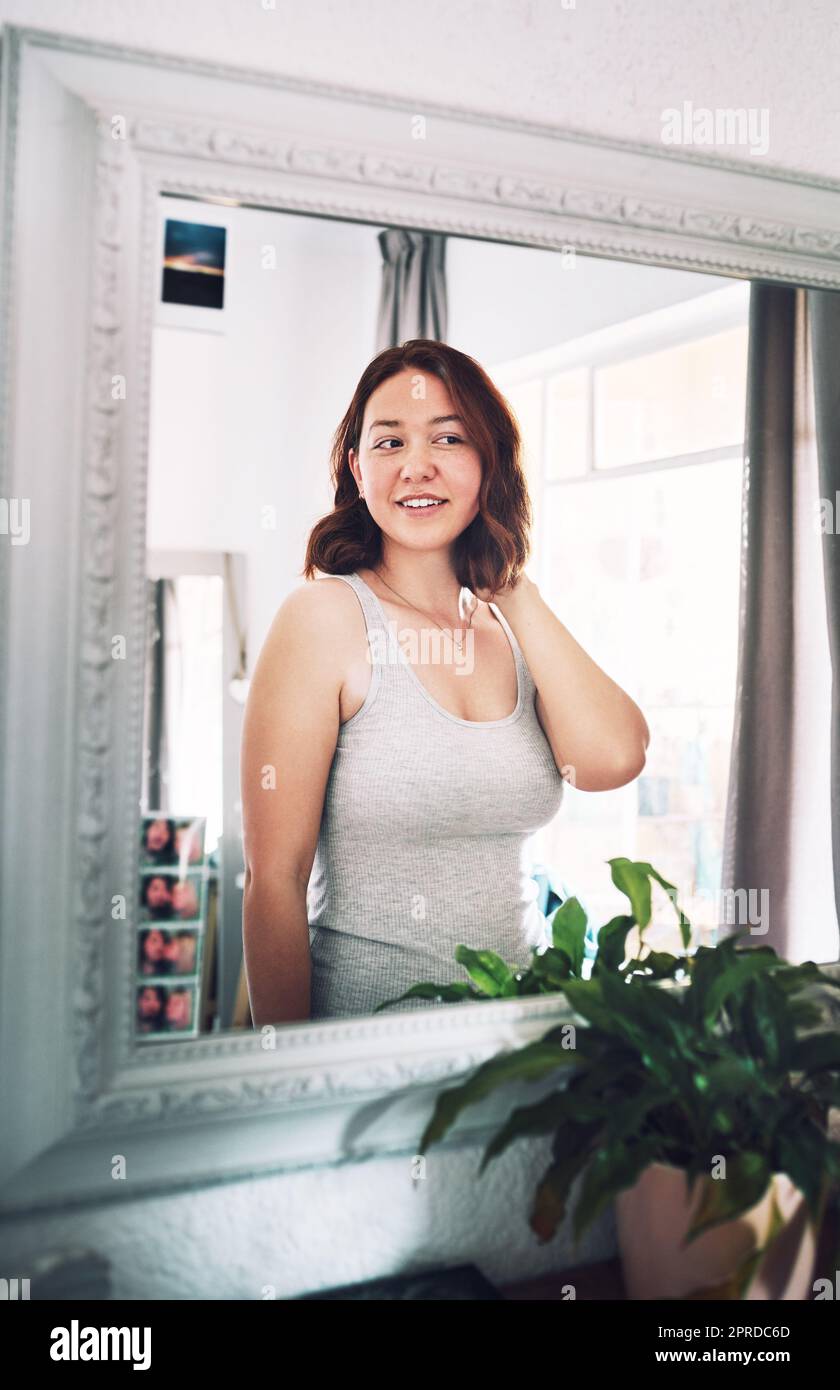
x,y
434,631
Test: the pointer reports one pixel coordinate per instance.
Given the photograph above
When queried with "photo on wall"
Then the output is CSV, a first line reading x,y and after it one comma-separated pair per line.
x,y
166,951
172,840
193,264
166,1009
172,907
171,896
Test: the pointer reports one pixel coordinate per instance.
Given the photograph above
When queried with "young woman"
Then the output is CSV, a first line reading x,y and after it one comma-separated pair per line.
x,y
413,713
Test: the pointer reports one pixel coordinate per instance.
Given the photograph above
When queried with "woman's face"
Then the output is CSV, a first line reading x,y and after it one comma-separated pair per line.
x,y
157,835
154,946
149,1003
417,452
157,893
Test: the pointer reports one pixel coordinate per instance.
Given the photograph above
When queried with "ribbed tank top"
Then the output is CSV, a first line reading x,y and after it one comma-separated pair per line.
x,y
423,832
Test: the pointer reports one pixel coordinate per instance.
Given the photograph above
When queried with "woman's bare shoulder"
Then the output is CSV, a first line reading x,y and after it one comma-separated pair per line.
x,y
327,599
314,619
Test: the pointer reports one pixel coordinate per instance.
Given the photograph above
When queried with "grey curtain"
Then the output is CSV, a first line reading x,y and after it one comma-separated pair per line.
x,y
413,298
155,762
783,811
824,311
757,828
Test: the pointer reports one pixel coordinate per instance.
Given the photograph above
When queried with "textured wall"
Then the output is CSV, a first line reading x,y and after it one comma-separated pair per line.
x,y
608,66
316,1229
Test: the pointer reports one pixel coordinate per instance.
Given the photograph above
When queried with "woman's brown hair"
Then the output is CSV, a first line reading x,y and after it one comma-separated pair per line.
x,y
489,553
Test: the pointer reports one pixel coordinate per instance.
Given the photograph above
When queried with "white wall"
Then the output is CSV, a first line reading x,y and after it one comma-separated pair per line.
x,y
508,301
242,418
320,1228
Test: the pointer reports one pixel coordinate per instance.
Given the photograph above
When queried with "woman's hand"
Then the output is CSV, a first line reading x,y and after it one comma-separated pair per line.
x,y
505,595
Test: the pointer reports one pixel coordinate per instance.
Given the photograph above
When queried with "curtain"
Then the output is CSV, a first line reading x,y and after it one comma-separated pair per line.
x,y
824,308
413,298
155,779
756,835
776,857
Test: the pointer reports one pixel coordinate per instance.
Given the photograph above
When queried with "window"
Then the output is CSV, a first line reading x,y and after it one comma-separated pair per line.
x,y
635,440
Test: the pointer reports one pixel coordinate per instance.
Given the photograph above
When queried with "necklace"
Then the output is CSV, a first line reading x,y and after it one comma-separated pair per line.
x,y
423,611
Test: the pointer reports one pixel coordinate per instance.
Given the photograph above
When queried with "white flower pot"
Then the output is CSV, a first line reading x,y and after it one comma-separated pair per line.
x,y
654,1216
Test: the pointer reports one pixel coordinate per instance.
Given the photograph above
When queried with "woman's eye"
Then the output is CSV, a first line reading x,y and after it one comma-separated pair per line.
x,y
392,440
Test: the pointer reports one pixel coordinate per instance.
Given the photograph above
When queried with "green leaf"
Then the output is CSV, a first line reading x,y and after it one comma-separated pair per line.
x,y
552,1193
735,979
528,982
802,1013
586,998
643,1012
764,1020
656,965
805,1154
745,1273
632,880
568,932
611,1171
529,1063
488,970
747,1177
542,1117
612,944
627,1117
734,1076
426,989
552,967
685,925
825,1089
633,877
815,1053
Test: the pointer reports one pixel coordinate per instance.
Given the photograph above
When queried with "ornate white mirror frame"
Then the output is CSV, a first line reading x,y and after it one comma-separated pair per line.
x,y
91,136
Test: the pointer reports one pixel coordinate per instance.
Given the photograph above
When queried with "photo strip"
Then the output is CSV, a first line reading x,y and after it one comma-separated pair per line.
x,y
171,921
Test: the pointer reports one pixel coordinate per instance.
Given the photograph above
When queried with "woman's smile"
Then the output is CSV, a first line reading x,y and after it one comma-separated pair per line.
x,y
421,507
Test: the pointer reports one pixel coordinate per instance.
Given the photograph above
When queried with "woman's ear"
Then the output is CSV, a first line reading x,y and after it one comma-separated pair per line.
x,y
355,469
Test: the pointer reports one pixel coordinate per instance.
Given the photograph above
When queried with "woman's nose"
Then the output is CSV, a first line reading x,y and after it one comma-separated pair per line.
x,y
417,465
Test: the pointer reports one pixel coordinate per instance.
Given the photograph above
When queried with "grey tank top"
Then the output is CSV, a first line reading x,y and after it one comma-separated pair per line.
x,y
422,843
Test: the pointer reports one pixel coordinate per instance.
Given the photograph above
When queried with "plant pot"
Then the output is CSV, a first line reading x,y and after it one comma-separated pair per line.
x,y
653,1218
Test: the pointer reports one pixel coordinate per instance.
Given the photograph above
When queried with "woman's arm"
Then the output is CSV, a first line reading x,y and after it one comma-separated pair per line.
x,y
597,734
289,736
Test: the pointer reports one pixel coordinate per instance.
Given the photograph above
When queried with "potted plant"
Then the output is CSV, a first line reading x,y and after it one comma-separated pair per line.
x,y
697,1095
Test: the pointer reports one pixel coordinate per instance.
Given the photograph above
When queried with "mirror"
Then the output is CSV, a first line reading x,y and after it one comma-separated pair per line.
x,y
628,385
163,474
